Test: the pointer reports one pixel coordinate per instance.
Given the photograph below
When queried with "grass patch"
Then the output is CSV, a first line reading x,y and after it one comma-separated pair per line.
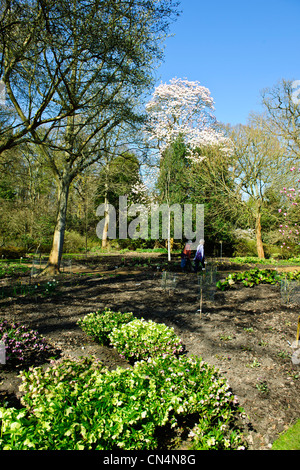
x,y
290,440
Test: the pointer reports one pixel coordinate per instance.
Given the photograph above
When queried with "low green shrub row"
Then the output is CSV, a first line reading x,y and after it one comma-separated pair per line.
x,y
256,260
135,339
252,260
99,325
294,260
81,405
78,404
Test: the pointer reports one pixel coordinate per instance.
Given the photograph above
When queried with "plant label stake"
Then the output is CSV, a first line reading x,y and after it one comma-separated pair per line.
x,y
168,282
201,304
200,283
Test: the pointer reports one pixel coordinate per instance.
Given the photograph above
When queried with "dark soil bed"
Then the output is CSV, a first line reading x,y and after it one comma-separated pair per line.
x,y
246,333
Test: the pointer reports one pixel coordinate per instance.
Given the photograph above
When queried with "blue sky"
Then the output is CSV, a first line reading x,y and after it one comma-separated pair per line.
x,y
235,48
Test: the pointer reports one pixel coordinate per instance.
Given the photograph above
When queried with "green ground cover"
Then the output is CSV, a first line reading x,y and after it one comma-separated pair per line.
x,y
79,404
290,440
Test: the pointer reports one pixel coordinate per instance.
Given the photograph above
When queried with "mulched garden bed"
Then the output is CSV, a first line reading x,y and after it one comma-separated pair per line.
x,y
245,332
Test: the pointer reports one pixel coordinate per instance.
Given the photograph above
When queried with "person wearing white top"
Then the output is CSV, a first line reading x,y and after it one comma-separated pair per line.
x,y
199,256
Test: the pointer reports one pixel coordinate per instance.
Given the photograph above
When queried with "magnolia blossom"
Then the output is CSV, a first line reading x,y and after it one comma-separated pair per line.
x,y
183,109
139,189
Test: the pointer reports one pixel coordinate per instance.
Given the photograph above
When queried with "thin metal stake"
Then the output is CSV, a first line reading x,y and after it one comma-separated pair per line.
x,y
201,304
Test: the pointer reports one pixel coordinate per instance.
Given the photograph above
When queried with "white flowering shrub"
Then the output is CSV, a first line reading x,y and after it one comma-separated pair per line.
x,y
141,339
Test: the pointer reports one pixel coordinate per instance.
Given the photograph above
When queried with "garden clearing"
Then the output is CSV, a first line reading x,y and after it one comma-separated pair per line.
x,y
244,332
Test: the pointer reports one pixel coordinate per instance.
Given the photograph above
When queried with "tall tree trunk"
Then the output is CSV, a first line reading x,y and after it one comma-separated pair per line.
x,y
64,181
259,243
54,261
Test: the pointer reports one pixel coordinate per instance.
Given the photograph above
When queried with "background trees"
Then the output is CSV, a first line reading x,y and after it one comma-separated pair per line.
x,y
27,195
118,177
259,164
289,227
76,78
283,117
283,120
210,180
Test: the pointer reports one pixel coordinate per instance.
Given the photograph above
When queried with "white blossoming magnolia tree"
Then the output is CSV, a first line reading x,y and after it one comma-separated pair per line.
x,y
183,109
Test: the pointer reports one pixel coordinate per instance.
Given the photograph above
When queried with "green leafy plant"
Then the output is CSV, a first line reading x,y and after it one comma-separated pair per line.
x,y
249,330
19,289
254,364
50,287
16,289
13,269
79,404
254,277
99,324
246,347
222,285
226,338
140,339
294,260
284,354
219,437
262,386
